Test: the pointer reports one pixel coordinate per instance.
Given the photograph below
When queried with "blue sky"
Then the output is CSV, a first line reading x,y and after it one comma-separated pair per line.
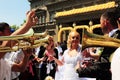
x,y
13,11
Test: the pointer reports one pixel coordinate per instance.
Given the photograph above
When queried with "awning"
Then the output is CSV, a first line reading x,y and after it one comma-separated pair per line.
x,y
86,9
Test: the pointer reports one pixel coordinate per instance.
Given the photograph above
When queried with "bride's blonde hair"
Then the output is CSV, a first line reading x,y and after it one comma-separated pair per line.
x,y
69,37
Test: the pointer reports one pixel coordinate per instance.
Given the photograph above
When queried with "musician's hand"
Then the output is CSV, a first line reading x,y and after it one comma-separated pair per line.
x,y
86,63
31,18
86,53
40,59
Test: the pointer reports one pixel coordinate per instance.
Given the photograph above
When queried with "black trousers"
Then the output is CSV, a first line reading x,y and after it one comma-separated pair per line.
x,y
99,70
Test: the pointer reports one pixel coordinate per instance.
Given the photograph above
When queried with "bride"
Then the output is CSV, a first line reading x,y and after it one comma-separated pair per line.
x,y
71,57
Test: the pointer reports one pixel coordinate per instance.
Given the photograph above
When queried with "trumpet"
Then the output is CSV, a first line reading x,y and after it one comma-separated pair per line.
x,y
24,41
94,40
17,37
44,34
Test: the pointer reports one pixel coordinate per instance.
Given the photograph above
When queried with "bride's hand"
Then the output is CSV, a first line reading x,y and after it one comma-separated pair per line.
x,y
77,66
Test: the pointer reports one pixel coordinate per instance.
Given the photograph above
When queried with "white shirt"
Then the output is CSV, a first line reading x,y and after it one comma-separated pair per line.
x,y
5,69
115,65
37,50
15,57
112,32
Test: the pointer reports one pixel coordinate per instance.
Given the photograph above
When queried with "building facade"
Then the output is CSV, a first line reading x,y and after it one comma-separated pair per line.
x,y
56,14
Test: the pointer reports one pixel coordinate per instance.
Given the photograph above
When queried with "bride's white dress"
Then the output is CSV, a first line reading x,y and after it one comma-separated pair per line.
x,y
70,62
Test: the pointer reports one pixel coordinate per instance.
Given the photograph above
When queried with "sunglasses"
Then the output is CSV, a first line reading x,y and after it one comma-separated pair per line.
x,y
75,37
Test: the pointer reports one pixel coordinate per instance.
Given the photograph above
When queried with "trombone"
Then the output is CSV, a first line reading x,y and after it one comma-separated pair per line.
x,y
94,40
24,41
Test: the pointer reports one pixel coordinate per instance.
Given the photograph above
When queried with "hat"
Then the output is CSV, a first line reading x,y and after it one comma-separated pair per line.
x,y
12,30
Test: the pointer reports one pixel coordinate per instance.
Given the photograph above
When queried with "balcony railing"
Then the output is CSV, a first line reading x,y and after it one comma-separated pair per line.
x,y
46,24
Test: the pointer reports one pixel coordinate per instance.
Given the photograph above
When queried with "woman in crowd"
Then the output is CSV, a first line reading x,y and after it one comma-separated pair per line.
x,y
48,66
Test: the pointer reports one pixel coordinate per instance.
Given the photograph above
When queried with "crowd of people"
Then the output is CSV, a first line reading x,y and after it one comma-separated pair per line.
x,y
61,61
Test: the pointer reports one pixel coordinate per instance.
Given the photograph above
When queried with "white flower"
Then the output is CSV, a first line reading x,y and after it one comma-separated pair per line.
x,y
49,78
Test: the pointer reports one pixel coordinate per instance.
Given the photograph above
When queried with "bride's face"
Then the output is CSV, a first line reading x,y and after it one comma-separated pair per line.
x,y
75,38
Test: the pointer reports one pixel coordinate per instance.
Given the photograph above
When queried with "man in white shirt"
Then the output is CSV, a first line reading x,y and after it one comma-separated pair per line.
x,y
115,57
15,57
7,66
101,69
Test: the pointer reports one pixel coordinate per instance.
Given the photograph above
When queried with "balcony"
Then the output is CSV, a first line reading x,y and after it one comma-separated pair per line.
x,y
49,25
55,1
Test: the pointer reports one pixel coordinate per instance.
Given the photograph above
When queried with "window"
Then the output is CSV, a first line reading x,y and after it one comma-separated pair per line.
x,y
52,17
